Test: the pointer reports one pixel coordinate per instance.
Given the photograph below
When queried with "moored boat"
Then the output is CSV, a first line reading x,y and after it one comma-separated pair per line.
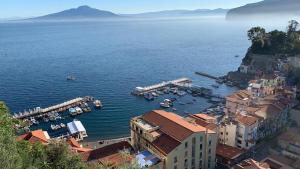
x,y
98,104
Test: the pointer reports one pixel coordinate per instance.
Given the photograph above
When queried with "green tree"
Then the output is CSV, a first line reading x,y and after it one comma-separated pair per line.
x,y
9,156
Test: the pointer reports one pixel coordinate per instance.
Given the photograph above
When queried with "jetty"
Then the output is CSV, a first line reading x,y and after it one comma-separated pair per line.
x,y
207,75
147,89
55,108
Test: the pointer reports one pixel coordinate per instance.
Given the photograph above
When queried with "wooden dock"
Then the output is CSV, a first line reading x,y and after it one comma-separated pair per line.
x,y
207,75
56,108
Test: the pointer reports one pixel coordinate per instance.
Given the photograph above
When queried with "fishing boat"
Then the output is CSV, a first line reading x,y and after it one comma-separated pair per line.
x,y
72,111
149,96
166,103
55,127
98,104
71,78
62,125
34,121
78,110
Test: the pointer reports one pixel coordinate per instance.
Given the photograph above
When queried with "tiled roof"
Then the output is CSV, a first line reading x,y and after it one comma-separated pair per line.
x,y
165,144
34,136
251,164
239,95
246,119
204,116
106,151
228,152
172,124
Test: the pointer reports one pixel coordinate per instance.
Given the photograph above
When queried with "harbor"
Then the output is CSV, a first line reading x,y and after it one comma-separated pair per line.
x,y
38,111
177,88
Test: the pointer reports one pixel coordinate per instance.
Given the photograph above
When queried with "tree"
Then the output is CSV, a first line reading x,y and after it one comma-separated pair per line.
x,y
9,157
293,37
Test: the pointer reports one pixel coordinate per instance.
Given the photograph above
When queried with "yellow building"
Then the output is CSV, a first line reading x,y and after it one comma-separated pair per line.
x,y
179,144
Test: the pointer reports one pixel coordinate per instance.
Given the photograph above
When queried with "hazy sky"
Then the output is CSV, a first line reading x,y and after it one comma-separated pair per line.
x,y
26,8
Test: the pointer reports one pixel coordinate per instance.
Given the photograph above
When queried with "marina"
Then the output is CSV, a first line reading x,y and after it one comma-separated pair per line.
x,y
38,111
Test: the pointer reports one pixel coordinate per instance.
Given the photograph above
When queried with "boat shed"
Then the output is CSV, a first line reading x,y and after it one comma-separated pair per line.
x,y
77,130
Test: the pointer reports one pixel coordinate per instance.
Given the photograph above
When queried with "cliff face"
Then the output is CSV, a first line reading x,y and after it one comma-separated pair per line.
x,y
266,8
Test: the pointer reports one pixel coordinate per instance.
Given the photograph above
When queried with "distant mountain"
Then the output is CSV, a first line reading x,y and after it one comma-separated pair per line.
x,y
82,12
175,13
266,9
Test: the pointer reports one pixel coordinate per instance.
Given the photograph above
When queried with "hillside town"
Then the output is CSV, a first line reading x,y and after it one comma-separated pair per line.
x,y
255,131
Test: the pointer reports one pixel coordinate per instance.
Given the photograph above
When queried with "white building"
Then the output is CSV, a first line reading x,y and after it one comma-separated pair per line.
x,y
77,130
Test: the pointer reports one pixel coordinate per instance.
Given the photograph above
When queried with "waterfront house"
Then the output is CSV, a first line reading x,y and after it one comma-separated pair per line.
x,y
77,130
178,143
35,136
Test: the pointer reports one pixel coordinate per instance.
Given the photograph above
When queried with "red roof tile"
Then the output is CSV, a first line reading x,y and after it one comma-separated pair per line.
x,y
165,144
228,152
172,124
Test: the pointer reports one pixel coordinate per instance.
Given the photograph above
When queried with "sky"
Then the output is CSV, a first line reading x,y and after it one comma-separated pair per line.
x,y
29,8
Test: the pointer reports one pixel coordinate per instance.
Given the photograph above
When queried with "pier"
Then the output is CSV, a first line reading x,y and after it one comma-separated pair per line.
x,y
177,82
56,108
207,75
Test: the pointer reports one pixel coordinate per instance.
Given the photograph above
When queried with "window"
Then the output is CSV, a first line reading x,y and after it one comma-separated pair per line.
x,y
209,143
221,133
185,154
186,144
193,162
200,155
201,138
226,133
194,140
239,141
209,151
175,159
200,146
186,162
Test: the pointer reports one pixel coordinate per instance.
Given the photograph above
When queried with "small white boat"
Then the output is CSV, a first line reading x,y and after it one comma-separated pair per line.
x,y
62,125
98,104
166,103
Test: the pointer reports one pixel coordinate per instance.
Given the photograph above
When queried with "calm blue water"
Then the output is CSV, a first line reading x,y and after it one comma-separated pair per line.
x,y
109,59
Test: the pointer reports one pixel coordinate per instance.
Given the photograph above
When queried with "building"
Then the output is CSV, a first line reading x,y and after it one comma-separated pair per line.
x,y
204,120
237,101
110,156
239,132
77,130
178,143
289,142
227,133
227,156
251,164
35,136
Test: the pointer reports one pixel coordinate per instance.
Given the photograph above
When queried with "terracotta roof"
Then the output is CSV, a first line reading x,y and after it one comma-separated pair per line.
x,y
172,124
165,144
228,152
239,95
246,119
115,160
204,116
106,151
34,136
251,164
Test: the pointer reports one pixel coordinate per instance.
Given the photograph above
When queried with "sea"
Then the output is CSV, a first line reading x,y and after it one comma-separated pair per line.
x,y
109,59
